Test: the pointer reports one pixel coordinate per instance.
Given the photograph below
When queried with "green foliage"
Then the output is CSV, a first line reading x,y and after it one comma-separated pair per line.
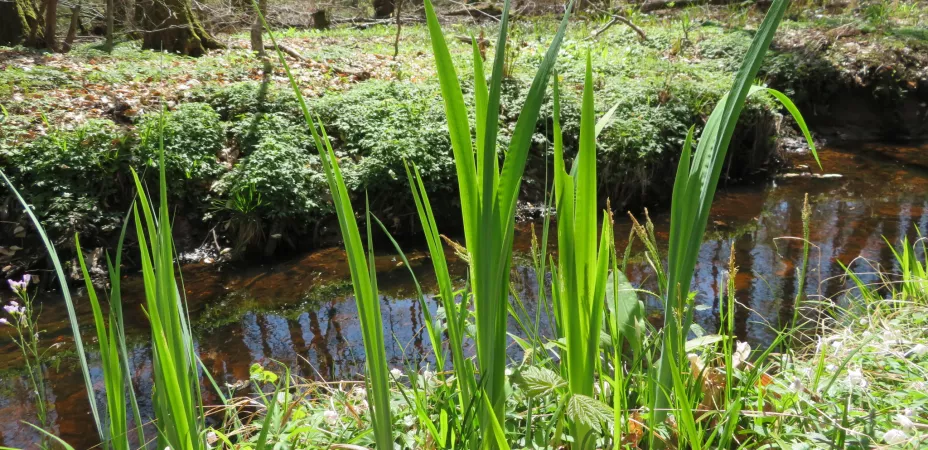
x,y
282,180
74,178
378,125
193,138
234,100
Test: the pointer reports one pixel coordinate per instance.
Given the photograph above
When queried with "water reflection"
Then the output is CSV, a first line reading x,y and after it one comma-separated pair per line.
x,y
289,312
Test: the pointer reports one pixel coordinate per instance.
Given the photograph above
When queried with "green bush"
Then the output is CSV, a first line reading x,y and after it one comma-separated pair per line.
x,y
376,125
76,180
253,128
278,184
193,138
237,99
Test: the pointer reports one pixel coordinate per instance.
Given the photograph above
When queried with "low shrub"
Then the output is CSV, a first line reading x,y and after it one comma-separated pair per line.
x,y
275,188
193,138
377,125
75,179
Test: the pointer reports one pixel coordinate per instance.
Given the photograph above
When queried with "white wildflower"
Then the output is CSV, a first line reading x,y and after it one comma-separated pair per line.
x,y
796,385
331,417
895,437
831,368
856,378
863,321
741,354
904,422
427,375
508,372
396,373
359,393
908,412
918,350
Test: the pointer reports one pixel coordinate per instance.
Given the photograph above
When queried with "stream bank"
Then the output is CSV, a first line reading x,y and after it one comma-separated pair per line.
x,y
246,183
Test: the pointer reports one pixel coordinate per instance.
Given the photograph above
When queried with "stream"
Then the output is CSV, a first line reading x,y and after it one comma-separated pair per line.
x,y
301,312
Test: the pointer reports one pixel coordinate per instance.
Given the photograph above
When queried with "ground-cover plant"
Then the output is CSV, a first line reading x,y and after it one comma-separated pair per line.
x,y
192,136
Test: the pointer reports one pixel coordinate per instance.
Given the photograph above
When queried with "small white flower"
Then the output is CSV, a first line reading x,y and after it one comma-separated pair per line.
x,y
428,375
856,378
908,412
3,321
359,393
396,373
741,354
211,438
831,368
895,437
836,346
904,422
508,372
331,417
863,321
918,350
796,385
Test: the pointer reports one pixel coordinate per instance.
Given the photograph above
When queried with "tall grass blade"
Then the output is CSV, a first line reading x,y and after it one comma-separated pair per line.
x,y
488,197
69,304
693,191
363,276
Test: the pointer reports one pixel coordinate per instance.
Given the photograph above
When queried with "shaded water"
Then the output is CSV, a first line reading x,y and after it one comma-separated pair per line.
x,y
301,312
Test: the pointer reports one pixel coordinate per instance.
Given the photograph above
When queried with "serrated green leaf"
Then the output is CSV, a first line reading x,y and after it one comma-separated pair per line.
x,y
589,411
538,381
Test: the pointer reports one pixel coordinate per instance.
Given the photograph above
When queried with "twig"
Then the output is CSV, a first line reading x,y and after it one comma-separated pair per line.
x,y
615,19
286,50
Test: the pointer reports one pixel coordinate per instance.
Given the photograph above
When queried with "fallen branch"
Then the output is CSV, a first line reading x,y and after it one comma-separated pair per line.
x,y
286,50
617,19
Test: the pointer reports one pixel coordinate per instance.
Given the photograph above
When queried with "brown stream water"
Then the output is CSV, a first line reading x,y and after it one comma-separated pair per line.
x,y
301,312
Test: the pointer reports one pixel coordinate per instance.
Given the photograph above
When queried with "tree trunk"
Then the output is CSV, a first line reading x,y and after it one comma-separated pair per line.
x,y
19,24
72,28
171,25
383,8
257,40
51,25
110,14
321,19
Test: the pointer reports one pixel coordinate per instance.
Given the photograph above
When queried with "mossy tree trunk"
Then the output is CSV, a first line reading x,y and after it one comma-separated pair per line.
x,y
257,29
172,26
51,25
20,24
383,8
